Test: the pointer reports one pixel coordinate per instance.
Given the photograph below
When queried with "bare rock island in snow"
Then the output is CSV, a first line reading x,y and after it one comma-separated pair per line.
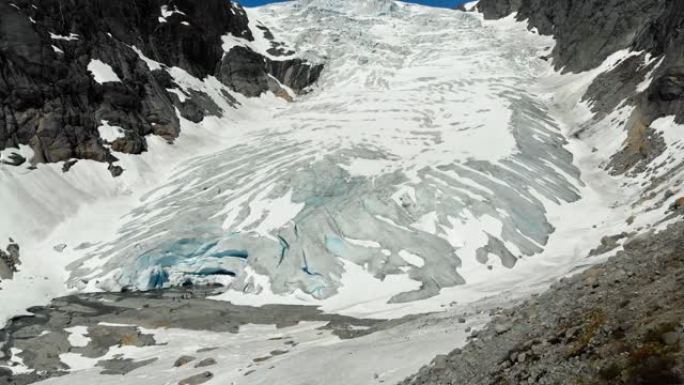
x,y
335,192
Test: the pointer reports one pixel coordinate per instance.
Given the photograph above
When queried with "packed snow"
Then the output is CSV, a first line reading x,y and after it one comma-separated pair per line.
x,y
102,72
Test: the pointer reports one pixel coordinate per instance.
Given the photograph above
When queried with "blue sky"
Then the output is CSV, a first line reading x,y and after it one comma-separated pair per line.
x,y
435,3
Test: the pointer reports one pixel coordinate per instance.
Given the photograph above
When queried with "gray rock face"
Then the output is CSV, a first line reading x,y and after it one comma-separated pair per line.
x,y
617,323
51,102
9,260
251,74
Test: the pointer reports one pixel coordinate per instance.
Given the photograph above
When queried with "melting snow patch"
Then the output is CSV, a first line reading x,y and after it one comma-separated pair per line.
x,y
16,363
672,132
649,77
102,72
151,64
412,258
110,133
165,13
78,336
71,37
471,6
181,96
363,243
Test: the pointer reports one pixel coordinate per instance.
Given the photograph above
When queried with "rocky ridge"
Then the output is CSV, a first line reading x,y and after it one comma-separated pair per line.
x,y
53,101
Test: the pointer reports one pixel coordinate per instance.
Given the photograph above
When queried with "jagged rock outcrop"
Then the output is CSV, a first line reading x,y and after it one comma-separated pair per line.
x,y
251,74
9,260
52,101
587,32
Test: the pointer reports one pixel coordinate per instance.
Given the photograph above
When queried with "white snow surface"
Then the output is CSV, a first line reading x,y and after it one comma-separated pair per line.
x,y
102,72
110,133
70,37
432,163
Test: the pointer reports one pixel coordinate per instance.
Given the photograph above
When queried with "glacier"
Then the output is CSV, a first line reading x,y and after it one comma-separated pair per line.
x,y
402,148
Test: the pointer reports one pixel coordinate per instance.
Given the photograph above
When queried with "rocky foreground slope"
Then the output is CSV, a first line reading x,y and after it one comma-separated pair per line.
x,y
616,323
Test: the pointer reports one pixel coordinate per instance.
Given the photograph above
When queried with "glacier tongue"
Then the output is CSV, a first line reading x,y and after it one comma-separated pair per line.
x,y
424,138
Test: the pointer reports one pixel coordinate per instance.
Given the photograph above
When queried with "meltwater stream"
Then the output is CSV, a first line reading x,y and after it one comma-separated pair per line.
x,y
423,151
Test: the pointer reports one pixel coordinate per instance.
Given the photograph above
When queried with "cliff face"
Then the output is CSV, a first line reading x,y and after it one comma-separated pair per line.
x,y
51,53
587,32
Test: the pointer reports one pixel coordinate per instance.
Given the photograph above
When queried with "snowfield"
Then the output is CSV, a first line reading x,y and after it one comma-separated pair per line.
x,y
430,168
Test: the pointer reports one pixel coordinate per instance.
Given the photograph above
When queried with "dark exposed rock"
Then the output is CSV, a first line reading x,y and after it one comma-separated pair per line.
x,y
121,366
51,102
9,260
197,379
206,362
13,159
115,170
